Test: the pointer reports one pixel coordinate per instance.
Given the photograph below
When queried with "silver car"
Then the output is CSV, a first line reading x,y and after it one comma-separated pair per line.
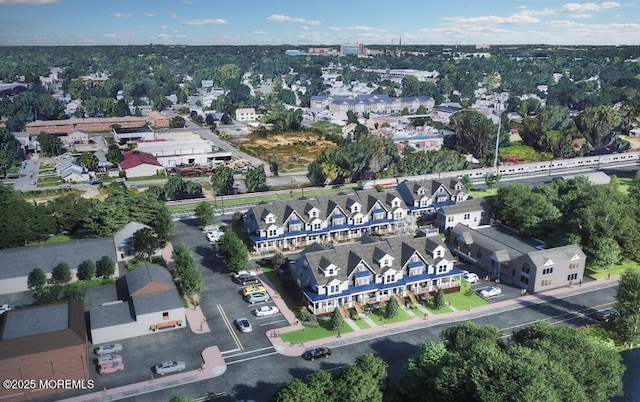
x,y
257,297
110,358
168,367
109,349
243,325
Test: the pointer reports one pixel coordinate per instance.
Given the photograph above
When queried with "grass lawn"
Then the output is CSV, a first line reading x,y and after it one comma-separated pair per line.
x,y
483,193
625,183
53,239
92,283
283,289
312,333
465,298
362,324
615,269
377,316
429,306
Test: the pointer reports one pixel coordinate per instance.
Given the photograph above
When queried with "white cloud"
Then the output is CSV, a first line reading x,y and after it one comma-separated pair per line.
x,y
164,27
206,21
121,15
286,18
585,7
149,15
495,20
581,16
258,32
173,16
535,13
24,2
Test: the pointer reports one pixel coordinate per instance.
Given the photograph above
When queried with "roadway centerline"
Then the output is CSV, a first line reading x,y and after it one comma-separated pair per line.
x,y
230,327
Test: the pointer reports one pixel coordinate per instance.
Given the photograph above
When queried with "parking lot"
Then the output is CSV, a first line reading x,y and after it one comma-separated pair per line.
x,y
221,304
507,291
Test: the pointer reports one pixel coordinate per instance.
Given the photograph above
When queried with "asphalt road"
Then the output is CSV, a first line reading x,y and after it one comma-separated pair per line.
x,y
260,375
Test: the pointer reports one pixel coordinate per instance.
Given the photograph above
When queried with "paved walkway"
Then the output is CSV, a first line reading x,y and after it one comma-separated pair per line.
x,y
376,331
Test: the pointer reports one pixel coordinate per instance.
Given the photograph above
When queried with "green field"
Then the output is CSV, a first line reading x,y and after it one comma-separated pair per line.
x,y
313,333
378,316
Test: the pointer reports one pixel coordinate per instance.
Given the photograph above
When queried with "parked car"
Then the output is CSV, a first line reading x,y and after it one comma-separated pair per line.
x,y
253,289
606,315
110,358
109,368
257,297
214,236
264,311
490,291
316,353
168,367
4,308
240,273
246,279
243,325
107,349
470,277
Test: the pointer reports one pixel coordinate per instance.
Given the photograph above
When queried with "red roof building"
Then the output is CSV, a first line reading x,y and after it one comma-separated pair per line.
x,y
139,164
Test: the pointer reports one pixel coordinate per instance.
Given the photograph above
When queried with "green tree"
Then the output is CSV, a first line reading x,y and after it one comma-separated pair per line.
x,y
10,150
145,242
51,145
204,213
180,399
604,252
86,270
600,125
277,260
391,309
467,182
474,134
235,253
105,268
492,180
336,319
362,381
256,179
438,299
187,274
88,160
114,154
177,122
36,279
295,391
61,273
222,180
627,325
57,293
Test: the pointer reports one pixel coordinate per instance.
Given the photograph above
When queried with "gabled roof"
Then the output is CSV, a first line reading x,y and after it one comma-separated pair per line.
x,y
474,205
136,158
149,278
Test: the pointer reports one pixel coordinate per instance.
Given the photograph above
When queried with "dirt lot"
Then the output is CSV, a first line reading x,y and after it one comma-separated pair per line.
x,y
292,151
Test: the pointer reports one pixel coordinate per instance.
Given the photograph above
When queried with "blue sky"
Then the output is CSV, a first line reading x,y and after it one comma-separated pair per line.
x,y
317,22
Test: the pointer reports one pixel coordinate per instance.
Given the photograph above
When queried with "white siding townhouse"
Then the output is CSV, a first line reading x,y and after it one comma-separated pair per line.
x,y
292,224
357,274
425,196
471,213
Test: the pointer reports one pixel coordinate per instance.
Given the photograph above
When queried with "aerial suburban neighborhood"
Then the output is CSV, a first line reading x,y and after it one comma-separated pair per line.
x,y
331,212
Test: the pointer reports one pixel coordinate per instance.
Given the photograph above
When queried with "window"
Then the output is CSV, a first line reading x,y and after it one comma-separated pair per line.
x,y
272,232
317,226
467,216
439,253
450,219
545,282
390,279
358,221
572,277
314,214
331,271
334,289
362,281
338,221
442,268
524,279
574,265
386,262
295,227
526,269
547,271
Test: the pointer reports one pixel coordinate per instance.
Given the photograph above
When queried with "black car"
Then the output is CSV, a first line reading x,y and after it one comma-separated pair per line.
x,y
606,315
316,353
246,279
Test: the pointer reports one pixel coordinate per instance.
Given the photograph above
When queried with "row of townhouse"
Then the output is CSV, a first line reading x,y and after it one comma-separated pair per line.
x,y
372,271
517,260
370,103
292,224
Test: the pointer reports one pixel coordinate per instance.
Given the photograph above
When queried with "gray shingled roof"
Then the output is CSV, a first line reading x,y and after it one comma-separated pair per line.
x,y
20,261
36,321
409,189
370,251
146,274
477,204
556,254
111,314
157,301
497,238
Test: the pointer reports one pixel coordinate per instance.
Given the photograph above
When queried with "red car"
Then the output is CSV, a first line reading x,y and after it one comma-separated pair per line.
x,y
109,368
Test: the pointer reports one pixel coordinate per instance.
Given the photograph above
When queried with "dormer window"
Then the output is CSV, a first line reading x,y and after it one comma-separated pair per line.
x,y
395,203
271,218
421,191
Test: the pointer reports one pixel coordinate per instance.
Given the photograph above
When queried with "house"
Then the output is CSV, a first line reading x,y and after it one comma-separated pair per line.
x,y
373,270
123,237
103,163
151,303
71,172
41,343
370,103
157,119
472,213
18,262
425,196
246,114
518,260
290,224
75,137
139,164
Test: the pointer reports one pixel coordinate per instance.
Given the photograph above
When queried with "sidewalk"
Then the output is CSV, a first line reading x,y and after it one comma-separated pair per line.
x,y
376,331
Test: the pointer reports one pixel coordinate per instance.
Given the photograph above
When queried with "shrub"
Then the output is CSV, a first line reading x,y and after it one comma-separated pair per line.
x,y
86,270
438,299
37,279
391,310
61,273
309,320
353,314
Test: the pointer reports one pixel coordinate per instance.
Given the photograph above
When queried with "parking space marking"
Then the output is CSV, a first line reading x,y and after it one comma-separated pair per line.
x,y
271,322
230,327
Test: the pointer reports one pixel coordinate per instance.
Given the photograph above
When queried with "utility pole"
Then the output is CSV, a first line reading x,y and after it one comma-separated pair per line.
x,y
495,160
